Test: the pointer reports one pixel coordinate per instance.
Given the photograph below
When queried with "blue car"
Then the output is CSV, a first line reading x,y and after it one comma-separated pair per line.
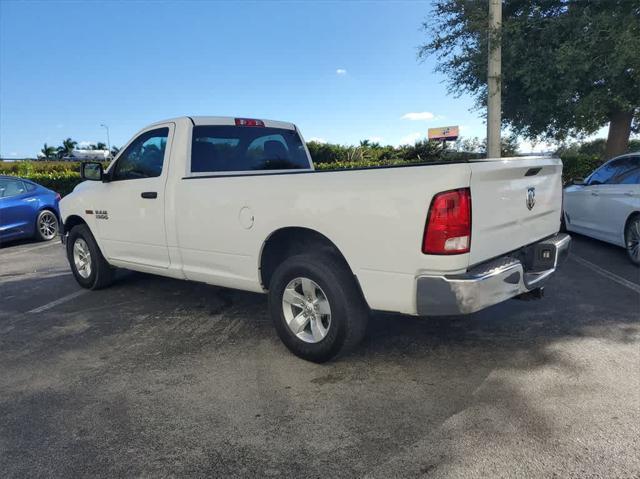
x,y
27,210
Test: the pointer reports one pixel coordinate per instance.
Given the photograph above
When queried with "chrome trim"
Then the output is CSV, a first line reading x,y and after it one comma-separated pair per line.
x,y
485,285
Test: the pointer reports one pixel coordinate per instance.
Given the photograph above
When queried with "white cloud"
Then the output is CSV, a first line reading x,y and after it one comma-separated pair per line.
x,y
341,72
315,139
85,144
13,153
411,138
419,116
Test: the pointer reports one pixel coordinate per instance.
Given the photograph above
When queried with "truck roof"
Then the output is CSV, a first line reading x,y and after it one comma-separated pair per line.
x,y
228,120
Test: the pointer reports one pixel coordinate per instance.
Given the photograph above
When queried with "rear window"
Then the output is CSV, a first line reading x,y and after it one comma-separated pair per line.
x,y
237,148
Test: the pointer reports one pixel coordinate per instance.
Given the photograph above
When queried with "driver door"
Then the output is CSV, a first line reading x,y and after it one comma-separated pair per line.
x,y
130,216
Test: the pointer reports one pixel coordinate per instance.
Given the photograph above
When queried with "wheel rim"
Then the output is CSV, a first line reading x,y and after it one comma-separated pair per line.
x,y
633,240
82,258
48,225
306,310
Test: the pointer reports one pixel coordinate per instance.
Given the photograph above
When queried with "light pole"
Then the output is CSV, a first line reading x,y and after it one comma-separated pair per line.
x,y
494,83
108,141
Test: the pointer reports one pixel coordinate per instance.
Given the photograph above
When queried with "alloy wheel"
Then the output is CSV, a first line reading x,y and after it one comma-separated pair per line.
x,y
633,240
306,310
82,258
48,225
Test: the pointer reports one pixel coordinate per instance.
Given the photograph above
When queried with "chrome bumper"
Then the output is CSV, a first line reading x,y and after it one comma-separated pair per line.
x,y
487,284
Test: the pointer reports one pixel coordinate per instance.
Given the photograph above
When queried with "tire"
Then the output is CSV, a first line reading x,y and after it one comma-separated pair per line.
x,y
99,273
47,225
632,239
344,326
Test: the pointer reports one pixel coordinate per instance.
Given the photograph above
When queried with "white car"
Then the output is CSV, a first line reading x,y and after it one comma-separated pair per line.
x,y
236,202
606,205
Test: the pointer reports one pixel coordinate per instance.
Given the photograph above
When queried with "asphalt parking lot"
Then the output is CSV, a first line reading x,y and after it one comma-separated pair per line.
x,y
156,377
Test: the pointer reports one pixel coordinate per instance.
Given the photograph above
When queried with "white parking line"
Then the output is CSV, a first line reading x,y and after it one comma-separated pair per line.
x,y
59,301
607,274
33,248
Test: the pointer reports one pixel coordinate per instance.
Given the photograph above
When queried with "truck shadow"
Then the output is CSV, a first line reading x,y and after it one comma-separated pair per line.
x,y
199,351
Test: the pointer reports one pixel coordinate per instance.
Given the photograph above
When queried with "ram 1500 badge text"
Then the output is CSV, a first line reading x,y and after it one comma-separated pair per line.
x,y
236,202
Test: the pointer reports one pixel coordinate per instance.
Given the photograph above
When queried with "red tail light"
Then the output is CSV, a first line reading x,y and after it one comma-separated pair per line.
x,y
248,122
448,229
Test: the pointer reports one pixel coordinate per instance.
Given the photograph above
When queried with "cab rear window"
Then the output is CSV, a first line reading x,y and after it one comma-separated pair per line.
x,y
246,149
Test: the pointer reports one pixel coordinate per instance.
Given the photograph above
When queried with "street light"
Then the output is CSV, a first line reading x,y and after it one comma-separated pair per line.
x,y
108,141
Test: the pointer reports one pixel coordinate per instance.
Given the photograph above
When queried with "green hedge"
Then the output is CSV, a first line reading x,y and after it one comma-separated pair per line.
x,y
62,182
59,176
578,166
63,176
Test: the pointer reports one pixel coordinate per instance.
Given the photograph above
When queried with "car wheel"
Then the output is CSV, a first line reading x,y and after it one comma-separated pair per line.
x,y
46,225
88,265
316,306
632,240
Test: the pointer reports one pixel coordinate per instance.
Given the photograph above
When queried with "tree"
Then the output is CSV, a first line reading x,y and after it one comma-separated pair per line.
x,y
68,146
100,146
48,151
508,145
569,67
114,150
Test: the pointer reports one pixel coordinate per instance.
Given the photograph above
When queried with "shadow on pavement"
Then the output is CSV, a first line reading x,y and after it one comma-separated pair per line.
x,y
157,376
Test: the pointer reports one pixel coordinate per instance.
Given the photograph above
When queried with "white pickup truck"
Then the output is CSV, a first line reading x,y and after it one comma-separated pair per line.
x,y
236,202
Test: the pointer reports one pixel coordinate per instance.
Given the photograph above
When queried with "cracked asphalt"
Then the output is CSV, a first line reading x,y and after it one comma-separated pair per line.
x,y
155,377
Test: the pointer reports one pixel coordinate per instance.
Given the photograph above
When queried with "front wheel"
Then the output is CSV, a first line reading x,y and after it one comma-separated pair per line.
x,y
316,306
632,240
88,265
46,225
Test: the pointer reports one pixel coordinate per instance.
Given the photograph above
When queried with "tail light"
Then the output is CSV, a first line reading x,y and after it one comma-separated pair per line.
x,y
448,229
248,122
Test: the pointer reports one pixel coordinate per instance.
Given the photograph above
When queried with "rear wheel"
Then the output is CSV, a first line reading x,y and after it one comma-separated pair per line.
x,y
632,240
316,306
88,265
46,225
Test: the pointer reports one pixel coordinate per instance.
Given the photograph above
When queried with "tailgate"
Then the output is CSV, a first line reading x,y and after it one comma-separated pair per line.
x,y
515,202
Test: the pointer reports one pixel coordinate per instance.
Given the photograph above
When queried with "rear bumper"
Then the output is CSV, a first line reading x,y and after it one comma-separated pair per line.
x,y
487,284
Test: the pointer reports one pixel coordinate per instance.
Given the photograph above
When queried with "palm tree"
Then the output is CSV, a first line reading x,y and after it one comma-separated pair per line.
x,y
48,151
114,150
365,143
100,146
68,146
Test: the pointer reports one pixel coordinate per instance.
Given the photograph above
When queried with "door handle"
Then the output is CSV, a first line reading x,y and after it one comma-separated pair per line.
x,y
149,195
594,193
628,193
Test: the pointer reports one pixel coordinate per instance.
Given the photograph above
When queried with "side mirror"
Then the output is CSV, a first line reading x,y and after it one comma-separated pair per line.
x,y
91,170
578,182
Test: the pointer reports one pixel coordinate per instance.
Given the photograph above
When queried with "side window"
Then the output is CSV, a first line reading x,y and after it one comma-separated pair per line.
x,y
605,173
613,172
632,177
627,171
30,186
11,187
143,158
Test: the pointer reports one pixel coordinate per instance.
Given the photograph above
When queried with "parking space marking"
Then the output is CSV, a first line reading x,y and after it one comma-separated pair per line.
x,y
59,301
607,274
33,248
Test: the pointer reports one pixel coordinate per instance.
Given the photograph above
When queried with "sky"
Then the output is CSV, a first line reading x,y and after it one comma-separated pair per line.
x,y
342,71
